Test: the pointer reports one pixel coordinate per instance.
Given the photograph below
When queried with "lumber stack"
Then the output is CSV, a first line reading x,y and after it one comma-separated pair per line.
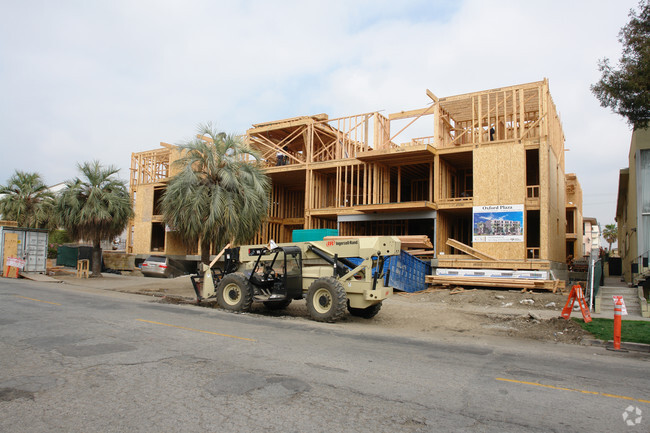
x,y
60,270
466,262
119,261
514,283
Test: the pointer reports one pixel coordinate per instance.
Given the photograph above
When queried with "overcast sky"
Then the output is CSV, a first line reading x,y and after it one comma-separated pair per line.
x,y
83,80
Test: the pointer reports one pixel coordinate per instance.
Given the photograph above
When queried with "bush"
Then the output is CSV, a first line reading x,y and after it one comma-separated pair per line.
x,y
57,238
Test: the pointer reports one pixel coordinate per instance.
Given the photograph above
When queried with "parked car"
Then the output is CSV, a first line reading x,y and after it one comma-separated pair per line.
x,y
161,266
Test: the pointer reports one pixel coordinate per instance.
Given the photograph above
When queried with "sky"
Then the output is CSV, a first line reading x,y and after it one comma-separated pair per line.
x,y
97,80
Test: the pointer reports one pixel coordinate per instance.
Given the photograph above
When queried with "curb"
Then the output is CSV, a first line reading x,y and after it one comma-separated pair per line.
x,y
632,347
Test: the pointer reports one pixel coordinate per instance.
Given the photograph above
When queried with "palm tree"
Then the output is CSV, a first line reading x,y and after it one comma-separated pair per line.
x,y
95,207
26,200
220,195
610,234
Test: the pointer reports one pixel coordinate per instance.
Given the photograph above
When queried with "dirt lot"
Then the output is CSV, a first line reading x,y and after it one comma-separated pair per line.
x,y
478,312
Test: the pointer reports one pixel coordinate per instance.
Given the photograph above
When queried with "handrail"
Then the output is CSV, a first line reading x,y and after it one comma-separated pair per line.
x,y
635,261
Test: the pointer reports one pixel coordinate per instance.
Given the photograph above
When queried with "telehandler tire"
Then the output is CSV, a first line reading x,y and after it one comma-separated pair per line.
x,y
235,293
326,300
366,313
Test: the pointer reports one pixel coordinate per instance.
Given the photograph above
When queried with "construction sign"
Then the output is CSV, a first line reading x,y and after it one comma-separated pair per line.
x,y
15,262
578,296
499,223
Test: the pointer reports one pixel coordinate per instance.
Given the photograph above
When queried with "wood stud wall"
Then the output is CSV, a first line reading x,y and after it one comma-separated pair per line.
x,y
346,165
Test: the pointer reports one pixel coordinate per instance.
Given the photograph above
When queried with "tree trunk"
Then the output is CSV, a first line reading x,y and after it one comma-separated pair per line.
x,y
205,251
97,260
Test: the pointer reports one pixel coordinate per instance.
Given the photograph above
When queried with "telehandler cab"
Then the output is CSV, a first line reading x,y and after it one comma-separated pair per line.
x,y
332,275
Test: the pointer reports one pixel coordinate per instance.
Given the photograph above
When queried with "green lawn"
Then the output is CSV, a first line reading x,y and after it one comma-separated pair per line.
x,y
632,331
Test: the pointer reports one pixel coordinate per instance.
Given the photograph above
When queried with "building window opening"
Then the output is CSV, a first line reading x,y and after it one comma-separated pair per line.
x,y
532,173
157,237
157,198
532,234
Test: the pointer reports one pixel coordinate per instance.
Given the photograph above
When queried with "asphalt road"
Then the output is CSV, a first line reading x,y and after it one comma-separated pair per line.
x,y
74,360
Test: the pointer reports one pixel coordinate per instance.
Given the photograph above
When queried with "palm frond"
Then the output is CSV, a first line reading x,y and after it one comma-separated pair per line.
x,y
216,195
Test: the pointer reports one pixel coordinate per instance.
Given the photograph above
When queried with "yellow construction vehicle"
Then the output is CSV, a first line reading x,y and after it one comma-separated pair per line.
x,y
332,275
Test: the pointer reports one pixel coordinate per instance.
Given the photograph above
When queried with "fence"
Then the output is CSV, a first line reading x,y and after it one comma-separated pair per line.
x,y
594,277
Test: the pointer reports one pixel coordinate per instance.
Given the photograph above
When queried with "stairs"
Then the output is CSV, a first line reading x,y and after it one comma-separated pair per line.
x,y
629,296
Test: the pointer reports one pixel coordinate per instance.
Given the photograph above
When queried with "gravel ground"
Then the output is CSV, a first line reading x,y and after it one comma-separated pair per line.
x,y
477,312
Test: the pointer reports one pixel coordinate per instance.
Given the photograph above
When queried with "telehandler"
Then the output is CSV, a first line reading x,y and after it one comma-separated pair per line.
x,y
331,275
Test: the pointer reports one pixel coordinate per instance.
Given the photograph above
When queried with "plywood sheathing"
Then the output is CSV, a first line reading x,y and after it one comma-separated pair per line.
x,y
322,168
500,178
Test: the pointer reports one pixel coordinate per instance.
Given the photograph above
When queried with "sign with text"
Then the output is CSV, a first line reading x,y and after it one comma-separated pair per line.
x,y
15,262
498,223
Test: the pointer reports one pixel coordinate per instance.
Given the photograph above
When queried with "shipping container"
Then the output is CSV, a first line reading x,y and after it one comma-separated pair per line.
x,y
31,246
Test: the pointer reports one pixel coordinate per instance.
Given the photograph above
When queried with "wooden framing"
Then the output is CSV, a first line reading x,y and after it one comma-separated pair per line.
x,y
366,174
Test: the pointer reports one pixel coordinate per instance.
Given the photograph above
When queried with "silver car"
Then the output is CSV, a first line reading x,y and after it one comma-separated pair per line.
x,y
161,266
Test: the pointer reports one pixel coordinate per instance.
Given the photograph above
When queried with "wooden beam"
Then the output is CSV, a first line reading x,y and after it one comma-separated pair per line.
x,y
429,108
432,96
468,250
410,113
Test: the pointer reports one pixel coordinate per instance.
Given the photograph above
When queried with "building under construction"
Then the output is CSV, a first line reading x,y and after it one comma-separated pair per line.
x,y
450,170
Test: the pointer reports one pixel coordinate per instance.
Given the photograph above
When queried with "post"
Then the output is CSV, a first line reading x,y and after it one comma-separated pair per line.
x,y
592,269
618,306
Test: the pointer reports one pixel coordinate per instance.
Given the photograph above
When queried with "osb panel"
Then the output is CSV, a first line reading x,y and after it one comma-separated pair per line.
x,y
502,250
499,174
142,237
500,178
143,204
175,246
10,247
174,155
556,224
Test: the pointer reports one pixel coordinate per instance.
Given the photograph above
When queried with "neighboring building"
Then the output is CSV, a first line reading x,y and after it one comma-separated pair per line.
x,y
494,156
574,224
591,238
57,188
147,234
633,208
